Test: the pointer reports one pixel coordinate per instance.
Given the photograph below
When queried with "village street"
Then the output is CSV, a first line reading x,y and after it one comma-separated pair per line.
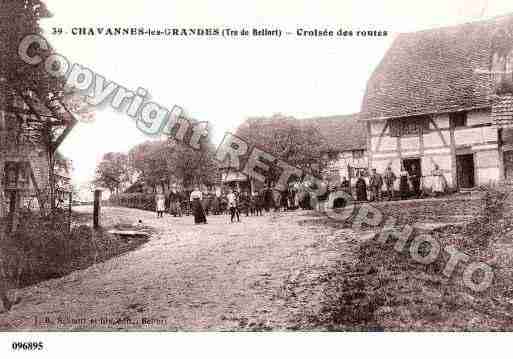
x,y
190,277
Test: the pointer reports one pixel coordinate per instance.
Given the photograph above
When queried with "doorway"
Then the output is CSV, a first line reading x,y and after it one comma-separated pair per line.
x,y
465,171
508,165
412,166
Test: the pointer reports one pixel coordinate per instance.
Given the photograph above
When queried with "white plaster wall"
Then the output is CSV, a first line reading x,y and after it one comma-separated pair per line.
x,y
388,144
490,134
487,159
377,127
487,176
434,139
410,143
442,121
443,161
470,136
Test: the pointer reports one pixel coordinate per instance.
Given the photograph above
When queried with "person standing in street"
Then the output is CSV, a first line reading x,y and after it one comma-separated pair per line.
x,y
197,207
345,185
376,182
361,189
175,200
415,181
389,178
160,203
439,182
404,185
216,203
232,205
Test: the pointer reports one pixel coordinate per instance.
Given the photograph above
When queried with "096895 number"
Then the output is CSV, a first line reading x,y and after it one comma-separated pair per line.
x,y
27,346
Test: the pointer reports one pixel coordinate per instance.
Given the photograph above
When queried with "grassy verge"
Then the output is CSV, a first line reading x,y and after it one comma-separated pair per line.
x,y
386,290
44,248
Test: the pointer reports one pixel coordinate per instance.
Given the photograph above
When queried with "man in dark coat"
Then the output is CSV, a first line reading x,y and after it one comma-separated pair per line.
x,y
375,183
244,203
345,185
389,178
268,199
361,189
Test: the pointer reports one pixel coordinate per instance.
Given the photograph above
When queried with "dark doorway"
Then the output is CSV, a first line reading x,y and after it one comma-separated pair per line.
x,y
508,165
465,171
412,166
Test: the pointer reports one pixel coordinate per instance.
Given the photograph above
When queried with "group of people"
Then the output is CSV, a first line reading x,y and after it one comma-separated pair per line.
x,y
201,204
410,184
371,188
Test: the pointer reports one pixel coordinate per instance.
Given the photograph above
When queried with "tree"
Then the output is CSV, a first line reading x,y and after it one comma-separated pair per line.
x,y
160,162
192,166
19,18
148,160
291,140
113,171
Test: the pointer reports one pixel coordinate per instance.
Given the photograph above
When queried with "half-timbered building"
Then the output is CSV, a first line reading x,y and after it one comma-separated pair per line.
x,y
430,102
345,142
30,134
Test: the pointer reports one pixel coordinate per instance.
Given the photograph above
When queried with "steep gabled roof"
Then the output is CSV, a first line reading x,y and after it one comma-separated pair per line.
x,y
341,133
435,71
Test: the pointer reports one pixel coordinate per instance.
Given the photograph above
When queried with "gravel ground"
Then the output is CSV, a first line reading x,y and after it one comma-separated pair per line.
x,y
219,276
285,271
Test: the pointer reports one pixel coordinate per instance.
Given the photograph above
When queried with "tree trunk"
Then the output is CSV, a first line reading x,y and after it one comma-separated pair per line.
x,y
51,180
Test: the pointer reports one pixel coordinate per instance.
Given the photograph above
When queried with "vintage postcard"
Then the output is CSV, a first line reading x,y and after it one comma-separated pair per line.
x,y
258,166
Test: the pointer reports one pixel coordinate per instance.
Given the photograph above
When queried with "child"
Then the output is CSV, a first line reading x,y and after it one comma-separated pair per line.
x,y
160,200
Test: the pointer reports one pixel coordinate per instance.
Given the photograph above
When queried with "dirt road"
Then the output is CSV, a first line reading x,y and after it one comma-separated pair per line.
x,y
219,276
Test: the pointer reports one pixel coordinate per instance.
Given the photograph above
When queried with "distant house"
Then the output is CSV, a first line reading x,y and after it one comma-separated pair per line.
x,y
434,100
346,142
343,142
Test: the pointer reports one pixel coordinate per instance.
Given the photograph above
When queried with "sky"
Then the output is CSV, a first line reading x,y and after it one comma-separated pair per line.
x,y
224,81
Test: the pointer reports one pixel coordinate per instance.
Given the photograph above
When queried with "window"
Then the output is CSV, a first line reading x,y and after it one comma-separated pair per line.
x,y
357,154
408,126
458,119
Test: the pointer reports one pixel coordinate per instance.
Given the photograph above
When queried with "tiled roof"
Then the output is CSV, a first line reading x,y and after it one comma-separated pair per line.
x,y
502,111
342,133
434,71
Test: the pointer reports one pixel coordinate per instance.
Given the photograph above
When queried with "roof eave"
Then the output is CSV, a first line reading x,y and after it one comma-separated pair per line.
x,y
459,109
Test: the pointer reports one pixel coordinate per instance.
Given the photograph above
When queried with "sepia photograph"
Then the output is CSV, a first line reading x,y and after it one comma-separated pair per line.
x,y
323,169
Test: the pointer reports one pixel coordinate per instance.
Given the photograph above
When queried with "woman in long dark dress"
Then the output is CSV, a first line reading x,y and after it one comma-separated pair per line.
x,y
197,207
404,185
361,189
268,199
